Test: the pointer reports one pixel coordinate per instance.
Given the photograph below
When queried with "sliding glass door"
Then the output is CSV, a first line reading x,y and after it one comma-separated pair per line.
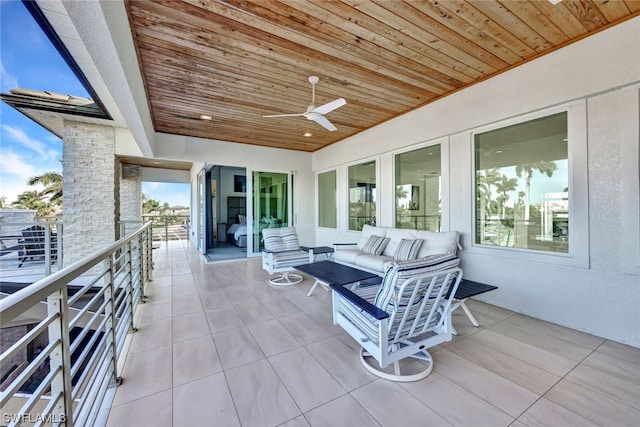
x,y
272,203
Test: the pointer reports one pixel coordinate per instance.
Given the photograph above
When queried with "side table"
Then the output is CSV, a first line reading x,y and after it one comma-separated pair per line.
x,y
327,251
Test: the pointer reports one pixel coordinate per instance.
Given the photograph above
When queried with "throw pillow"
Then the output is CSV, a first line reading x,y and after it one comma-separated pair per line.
x,y
375,245
289,238
242,219
407,249
273,241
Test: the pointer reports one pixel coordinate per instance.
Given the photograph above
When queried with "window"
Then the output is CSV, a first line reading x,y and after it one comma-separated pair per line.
x,y
419,189
327,212
362,195
522,185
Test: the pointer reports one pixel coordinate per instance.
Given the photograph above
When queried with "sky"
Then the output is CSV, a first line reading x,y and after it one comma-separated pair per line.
x,y
29,60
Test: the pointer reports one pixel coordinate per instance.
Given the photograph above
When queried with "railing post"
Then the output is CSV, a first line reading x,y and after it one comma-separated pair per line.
x,y
111,325
130,288
47,249
166,229
60,358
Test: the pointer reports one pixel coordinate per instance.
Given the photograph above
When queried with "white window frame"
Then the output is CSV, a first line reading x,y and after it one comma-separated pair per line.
x,y
444,174
345,185
578,255
317,215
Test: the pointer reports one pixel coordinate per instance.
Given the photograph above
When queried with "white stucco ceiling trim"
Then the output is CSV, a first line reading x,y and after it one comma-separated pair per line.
x,y
98,37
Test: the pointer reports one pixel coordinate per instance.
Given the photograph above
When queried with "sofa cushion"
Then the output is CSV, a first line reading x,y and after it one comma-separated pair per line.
x,y
370,230
407,249
372,262
396,235
445,242
375,245
347,255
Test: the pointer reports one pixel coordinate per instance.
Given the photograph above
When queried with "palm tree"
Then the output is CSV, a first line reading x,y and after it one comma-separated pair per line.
x,y
52,182
504,185
545,167
33,200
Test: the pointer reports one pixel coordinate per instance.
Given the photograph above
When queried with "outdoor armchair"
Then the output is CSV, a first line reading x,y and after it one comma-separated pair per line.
x,y
281,253
409,312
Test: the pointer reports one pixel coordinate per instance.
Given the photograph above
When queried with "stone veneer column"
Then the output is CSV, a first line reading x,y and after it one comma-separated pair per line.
x,y
90,187
131,195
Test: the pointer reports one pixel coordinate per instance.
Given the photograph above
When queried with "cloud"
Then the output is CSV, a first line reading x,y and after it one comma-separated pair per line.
x,y
12,164
18,135
8,80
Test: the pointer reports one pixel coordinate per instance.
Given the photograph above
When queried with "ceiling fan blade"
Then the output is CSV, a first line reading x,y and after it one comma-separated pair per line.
x,y
330,106
322,121
285,115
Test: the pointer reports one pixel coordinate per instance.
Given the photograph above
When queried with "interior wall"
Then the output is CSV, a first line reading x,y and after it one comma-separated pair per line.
x,y
604,297
213,152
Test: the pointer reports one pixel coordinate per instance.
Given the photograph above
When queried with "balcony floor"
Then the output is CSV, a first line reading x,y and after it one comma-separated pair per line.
x,y
217,346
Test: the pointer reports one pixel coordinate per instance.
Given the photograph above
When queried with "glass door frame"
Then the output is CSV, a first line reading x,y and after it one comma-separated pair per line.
x,y
291,208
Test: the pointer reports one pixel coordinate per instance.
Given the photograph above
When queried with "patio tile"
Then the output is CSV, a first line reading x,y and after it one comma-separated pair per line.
x,y
545,413
619,368
540,340
532,355
304,329
259,396
280,307
214,299
204,402
308,382
195,359
186,305
620,351
351,414
252,311
145,373
152,311
571,335
593,405
151,335
342,361
391,405
457,405
615,387
510,368
501,393
151,411
272,337
223,319
237,347
190,326
299,421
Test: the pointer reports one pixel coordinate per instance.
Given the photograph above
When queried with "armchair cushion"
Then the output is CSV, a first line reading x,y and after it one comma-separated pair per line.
x,y
280,239
399,272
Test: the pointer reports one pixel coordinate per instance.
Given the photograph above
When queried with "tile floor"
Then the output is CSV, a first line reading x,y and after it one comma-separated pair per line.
x,y
217,346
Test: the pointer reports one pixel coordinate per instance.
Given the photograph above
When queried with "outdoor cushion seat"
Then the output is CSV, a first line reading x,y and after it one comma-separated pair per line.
x,y
281,253
409,312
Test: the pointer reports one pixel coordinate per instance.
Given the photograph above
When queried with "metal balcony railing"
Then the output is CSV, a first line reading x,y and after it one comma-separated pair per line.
x,y
165,227
72,326
30,248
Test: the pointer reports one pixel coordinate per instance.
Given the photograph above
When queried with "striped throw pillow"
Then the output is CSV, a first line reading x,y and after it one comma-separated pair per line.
x,y
289,238
407,249
272,240
375,245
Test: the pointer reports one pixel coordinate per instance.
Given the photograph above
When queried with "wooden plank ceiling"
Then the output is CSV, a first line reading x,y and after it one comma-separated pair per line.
x,y
237,60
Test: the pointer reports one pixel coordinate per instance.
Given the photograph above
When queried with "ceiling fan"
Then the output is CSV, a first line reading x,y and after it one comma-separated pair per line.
x,y
317,113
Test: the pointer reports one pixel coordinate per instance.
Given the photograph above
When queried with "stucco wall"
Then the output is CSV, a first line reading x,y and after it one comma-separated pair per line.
x,y
601,297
